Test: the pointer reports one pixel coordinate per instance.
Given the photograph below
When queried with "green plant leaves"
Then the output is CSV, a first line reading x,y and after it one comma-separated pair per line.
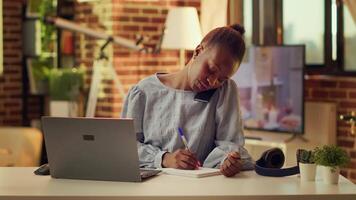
x,y
306,156
332,156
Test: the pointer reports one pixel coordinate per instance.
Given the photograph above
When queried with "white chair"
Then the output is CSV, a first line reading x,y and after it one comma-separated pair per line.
x,y
20,146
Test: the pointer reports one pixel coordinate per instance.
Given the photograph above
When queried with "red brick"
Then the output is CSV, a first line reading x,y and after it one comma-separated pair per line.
x,y
193,4
347,84
130,10
16,113
149,11
345,143
107,100
353,175
342,124
351,165
121,53
12,104
140,19
150,63
121,18
12,122
15,96
177,3
149,28
159,3
337,94
352,95
132,66
347,104
306,93
130,28
319,94
169,62
160,20
343,133
353,154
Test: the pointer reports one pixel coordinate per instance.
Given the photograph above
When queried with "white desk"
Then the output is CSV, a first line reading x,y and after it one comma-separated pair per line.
x,y
21,183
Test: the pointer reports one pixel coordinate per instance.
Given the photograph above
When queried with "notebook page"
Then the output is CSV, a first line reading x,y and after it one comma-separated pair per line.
x,y
198,173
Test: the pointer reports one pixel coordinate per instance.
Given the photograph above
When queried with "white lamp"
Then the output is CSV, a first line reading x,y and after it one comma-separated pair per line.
x,y
182,31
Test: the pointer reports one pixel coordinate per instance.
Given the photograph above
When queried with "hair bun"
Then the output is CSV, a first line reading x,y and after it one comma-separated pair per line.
x,y
238,28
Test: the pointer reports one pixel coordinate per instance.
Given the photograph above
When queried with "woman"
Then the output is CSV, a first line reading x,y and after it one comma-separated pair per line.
x,y
162,103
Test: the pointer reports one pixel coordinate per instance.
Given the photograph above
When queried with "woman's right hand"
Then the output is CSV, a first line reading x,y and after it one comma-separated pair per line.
x,y
180,159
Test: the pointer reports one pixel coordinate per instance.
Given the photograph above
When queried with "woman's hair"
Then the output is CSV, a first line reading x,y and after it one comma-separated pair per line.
x,y
230,37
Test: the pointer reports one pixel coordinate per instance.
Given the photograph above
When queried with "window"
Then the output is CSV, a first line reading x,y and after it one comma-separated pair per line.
x,y
303,23
247,12
349,36
326,27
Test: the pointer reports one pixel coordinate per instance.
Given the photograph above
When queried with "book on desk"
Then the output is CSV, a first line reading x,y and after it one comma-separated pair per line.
x,y
197,173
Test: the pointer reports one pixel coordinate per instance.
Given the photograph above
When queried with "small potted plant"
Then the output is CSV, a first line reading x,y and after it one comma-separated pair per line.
x,y
307,165
331,158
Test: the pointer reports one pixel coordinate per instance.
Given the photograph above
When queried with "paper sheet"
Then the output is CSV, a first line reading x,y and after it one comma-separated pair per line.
x,y
199,173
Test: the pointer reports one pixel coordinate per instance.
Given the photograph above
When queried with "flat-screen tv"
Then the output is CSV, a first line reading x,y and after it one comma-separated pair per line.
x,y
270,83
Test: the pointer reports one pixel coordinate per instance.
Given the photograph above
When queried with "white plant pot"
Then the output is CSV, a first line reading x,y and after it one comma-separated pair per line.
x,y
330,175
307,171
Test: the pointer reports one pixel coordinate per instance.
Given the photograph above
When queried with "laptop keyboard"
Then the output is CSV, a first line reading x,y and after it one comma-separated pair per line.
x,y
146,173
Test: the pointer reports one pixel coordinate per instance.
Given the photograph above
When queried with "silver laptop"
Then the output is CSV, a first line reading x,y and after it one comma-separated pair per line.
x,y
93,149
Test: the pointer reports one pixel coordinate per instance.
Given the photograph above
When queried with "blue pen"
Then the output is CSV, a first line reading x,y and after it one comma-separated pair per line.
x,y
180,131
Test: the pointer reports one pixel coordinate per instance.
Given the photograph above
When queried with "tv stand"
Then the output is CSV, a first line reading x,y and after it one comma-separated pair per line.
x,y
296,136
315,134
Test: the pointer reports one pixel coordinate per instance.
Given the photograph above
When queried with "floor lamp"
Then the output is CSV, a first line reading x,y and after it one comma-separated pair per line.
x,y
182,31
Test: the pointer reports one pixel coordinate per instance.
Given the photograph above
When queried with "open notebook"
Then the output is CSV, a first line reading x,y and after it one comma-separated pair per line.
x,y
198,173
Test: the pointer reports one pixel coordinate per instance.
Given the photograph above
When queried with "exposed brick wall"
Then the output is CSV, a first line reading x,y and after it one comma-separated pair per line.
x,y
342,91
131,18
128,19
11,79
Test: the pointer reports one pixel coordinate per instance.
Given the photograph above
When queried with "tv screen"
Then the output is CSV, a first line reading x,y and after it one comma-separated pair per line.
x,y
270,82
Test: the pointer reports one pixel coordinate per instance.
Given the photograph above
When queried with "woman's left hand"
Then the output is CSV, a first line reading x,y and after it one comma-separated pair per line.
x,y
232,164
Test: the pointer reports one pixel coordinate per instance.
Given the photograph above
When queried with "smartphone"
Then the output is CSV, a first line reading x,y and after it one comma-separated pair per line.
x,y
204,96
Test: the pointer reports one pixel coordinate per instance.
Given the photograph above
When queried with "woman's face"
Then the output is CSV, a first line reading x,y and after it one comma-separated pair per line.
x,y
210,68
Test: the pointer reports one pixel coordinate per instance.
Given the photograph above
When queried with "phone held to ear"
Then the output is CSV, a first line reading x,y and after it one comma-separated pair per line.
x,y
204,96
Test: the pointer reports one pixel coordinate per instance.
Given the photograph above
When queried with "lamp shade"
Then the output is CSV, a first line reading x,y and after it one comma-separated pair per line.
x,y
182,29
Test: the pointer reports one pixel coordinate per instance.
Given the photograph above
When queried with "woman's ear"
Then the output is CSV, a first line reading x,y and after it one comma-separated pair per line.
x,y
198,50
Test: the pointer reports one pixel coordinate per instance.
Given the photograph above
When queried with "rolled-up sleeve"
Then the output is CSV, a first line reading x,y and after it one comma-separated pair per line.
x,y
229,129
134,107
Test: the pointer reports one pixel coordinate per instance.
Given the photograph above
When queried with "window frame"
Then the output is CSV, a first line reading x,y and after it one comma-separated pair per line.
x,y
330,66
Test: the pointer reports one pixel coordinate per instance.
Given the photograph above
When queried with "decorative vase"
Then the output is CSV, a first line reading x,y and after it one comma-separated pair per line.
x,y
307,171
330,175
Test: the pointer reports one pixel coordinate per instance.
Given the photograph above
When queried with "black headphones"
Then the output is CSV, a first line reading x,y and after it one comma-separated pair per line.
x,y
271,162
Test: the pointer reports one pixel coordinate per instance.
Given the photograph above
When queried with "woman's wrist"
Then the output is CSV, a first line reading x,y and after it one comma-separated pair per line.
x,y
165,160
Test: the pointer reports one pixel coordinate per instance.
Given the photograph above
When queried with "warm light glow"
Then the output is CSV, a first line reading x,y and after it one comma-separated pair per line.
x,y
182,29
